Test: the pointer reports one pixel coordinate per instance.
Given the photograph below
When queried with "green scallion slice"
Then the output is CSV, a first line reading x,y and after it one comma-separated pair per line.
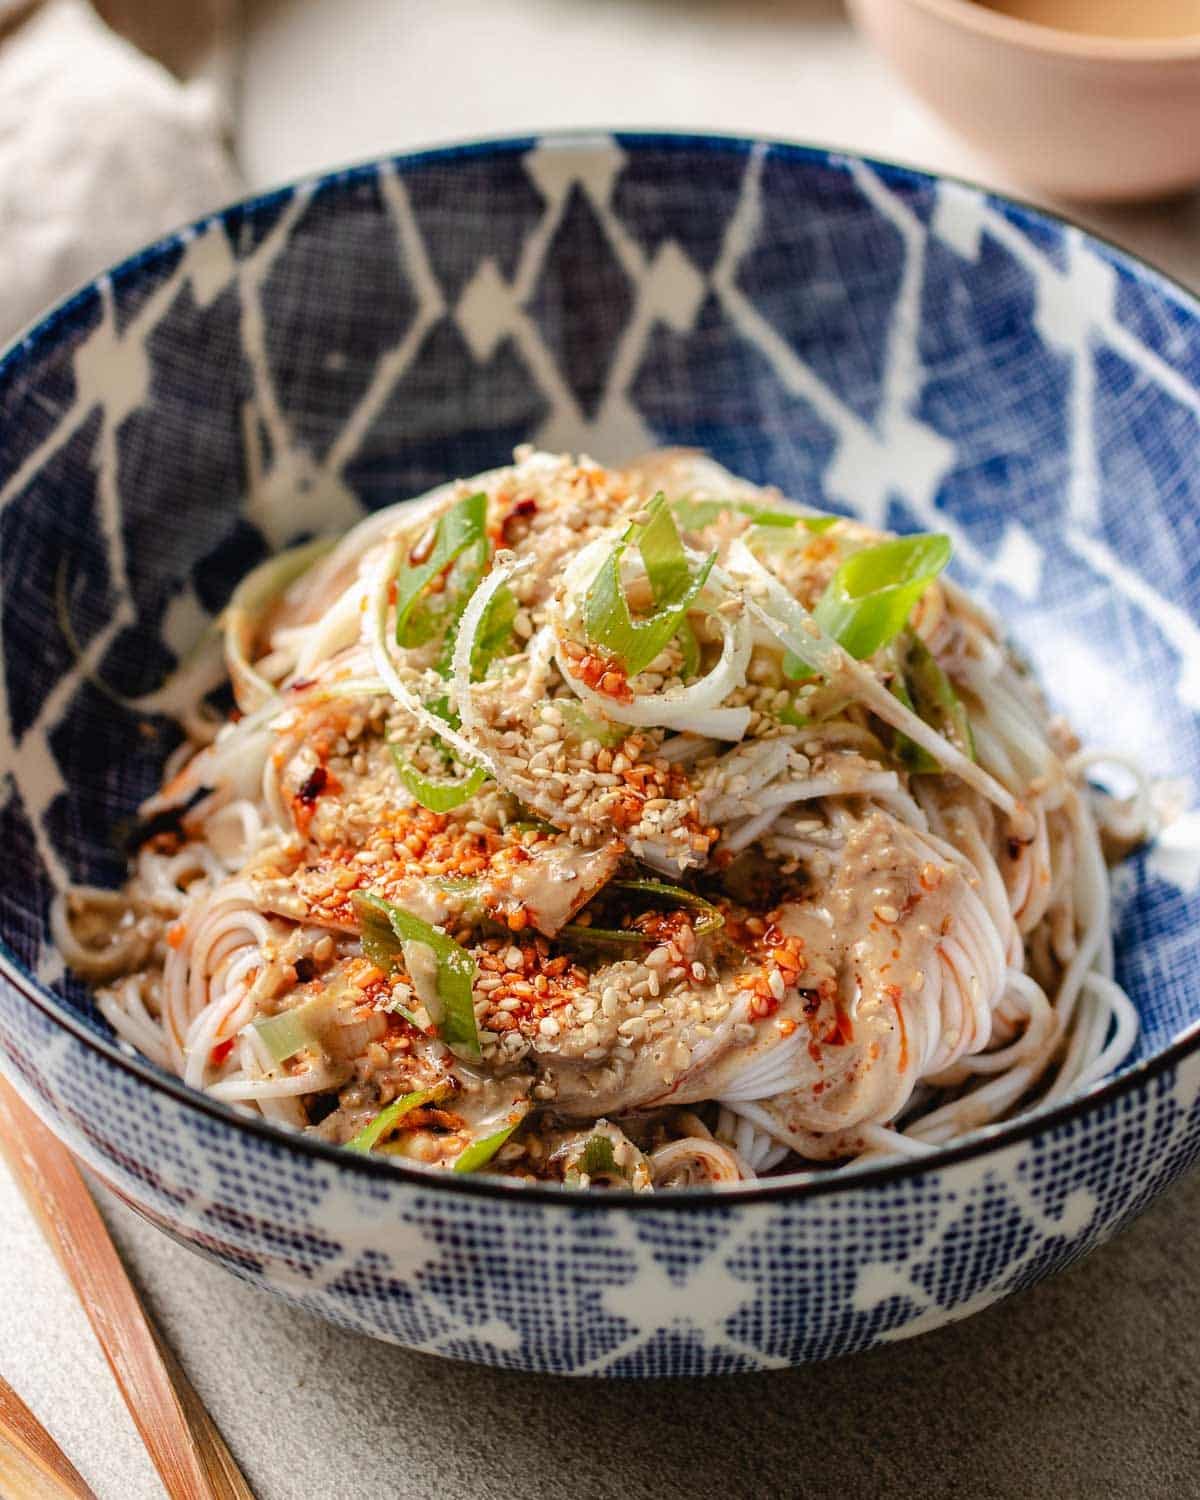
x,y
480,1152
385,930
710,918
695,515
595,1158
495,632
872,594
607,621
460,531
933,695
285,1034
375,1130
581,726
437,796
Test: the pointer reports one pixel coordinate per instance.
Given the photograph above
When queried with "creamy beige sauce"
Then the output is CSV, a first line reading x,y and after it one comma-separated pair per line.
x,y
1132,19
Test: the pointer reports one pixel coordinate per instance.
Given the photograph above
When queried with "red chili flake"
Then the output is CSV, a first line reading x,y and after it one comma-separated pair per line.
x,y
525,507
604,674
314,786
842,1030
221,1051
301,683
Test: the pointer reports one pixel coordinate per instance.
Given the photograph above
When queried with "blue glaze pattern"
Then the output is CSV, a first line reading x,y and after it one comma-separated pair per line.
x,y
870,339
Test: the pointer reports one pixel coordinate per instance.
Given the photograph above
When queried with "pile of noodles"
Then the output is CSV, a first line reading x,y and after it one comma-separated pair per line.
x,y
1018,1006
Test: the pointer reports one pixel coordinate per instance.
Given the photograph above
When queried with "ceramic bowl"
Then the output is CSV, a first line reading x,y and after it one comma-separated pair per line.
x,y
1086,117
871,339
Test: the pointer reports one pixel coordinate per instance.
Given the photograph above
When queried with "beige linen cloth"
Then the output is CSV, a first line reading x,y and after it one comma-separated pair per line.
x,y
101,150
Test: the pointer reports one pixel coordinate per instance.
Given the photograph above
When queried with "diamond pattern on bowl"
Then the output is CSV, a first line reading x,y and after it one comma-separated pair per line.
x,y
866,337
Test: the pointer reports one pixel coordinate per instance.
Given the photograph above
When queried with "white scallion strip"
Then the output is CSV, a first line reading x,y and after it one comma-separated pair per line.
x,y
503,572
691,709
686,748
798,631
375,622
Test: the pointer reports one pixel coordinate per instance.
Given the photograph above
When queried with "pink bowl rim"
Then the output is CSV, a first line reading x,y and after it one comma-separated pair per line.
x,y
1053,41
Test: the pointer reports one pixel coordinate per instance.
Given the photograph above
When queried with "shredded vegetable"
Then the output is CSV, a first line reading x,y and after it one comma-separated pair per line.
x,y
581,726
437,796
870,597
460,532
933,695
249,600
480,1152
389,934
695,515
606,616
709,920
593,1158
373,1132
495,632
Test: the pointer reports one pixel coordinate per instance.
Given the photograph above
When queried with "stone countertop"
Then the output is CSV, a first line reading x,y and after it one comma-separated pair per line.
x,y
1086,1385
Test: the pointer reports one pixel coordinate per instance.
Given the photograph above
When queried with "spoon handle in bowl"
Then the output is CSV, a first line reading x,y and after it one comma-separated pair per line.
x,y
182,1439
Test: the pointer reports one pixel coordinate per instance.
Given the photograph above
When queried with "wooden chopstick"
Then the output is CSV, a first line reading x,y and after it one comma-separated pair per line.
x,y
32,1465
182,1439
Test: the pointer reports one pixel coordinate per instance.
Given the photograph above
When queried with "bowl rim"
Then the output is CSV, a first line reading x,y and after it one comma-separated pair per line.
x,y
994,1138
1056,41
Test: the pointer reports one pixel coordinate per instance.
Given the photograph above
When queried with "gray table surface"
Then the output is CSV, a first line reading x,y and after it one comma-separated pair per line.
x,y
1086,1386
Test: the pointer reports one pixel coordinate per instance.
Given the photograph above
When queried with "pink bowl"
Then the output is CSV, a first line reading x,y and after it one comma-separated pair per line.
x,y
1083,116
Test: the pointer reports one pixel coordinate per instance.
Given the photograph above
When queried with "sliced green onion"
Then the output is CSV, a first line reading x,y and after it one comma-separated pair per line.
x,y
581,726
690,647
606,618
695,515
934,698
376,1129
385,930
595,1158
402,1010
915,758
460,529
710,918
662,551
480,1152
291,1031
872,594
437,796
606,936
789,714
495,632
287,1033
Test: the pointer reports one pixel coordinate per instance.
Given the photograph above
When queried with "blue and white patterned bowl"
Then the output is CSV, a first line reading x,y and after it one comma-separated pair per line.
x,y
870,339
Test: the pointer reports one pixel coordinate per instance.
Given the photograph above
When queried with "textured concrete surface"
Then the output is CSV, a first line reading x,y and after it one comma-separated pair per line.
x,y
1086,1386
